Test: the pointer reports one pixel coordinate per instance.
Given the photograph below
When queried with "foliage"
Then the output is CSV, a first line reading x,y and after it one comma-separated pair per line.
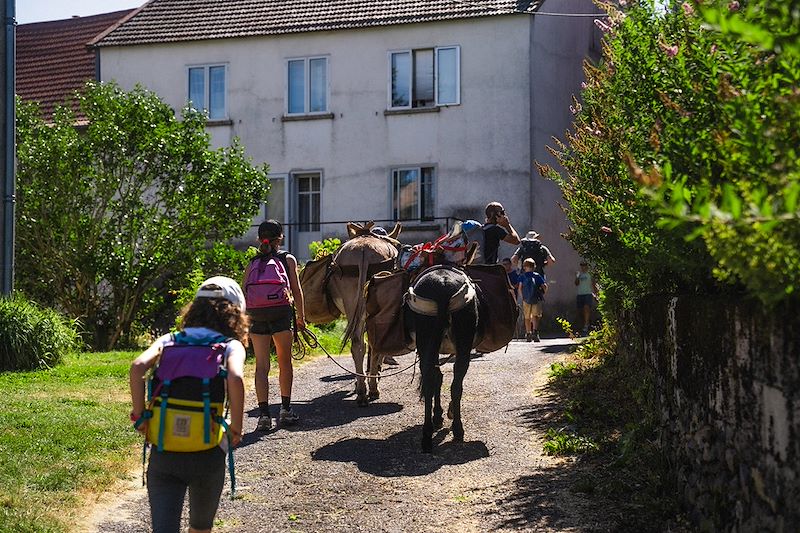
x,y
109,211
218,260
320,249
563,442
609,416
64,435
682,170
33,337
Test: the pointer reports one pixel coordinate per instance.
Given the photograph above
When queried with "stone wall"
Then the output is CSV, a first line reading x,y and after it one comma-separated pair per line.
x,y
727,377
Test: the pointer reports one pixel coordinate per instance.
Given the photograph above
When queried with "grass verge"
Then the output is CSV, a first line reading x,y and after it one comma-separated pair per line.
x,y
64,435
608,419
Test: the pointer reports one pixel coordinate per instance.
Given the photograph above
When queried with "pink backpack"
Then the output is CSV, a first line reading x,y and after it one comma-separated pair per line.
x,y
266,283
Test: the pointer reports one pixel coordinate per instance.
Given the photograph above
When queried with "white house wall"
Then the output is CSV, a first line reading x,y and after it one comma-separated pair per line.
x,y
480,148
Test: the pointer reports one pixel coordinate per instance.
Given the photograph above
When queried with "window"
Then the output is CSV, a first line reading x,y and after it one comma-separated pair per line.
x,y
424,78
412,193
308,201
307,85
207,90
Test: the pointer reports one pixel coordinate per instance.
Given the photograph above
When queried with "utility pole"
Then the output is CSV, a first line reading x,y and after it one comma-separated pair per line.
x,y
7,141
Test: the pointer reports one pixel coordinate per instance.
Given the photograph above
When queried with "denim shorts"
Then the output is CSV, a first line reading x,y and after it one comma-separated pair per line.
x,y
271,320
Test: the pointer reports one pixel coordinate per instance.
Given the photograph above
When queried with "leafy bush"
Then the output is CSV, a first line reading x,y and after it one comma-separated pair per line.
x,y
109,211
33,337
563,442
320,249
683,172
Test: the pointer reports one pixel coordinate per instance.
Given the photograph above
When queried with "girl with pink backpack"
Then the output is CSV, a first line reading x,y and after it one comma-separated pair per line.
x,y
271,289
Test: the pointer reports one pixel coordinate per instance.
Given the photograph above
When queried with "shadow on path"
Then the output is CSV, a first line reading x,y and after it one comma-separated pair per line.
x,y
329,410
399,454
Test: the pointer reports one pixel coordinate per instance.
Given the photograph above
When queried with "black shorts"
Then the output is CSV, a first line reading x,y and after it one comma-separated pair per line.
x,y
270,320
583,300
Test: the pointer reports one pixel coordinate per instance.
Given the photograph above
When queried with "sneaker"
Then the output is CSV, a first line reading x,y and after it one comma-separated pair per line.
x,y
288,417
264,423
536,337
528,337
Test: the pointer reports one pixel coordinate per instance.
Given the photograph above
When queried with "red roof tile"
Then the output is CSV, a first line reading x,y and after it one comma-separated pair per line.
x,y
161,21
53,59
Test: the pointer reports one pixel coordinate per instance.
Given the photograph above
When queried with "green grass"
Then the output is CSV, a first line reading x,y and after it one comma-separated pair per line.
x,y
562,442
63,433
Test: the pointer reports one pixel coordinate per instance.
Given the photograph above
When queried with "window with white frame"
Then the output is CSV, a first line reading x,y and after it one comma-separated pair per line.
x,y
307,85
413,193
424,77
308,200
207,90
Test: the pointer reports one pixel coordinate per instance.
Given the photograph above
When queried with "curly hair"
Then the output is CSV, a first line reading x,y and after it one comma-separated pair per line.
x,y
218,314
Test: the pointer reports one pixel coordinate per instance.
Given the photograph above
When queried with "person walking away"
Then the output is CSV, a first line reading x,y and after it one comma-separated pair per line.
x,y
186,440
514,279
532,247
271,288
496,228
587,293
533,287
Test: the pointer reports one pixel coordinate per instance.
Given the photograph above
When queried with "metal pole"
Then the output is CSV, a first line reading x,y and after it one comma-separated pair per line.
x,y
7,155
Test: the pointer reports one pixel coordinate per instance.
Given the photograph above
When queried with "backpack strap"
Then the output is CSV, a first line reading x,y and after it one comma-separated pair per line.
x,y
206,410
162,423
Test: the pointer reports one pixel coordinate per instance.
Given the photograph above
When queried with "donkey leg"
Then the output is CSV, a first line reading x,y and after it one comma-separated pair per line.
x,y
374,368
427,427
459,371
357,349
438,419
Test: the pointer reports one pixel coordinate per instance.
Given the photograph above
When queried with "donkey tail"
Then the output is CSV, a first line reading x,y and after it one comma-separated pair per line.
x,y
355,324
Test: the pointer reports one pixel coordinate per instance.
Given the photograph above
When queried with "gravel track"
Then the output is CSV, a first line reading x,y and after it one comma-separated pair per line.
x,y
345,468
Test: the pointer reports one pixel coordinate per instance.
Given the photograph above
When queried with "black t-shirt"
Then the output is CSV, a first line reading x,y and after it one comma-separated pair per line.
x,y
492,235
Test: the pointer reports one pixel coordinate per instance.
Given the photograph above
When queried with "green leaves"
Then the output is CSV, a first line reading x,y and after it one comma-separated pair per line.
x,y
110,211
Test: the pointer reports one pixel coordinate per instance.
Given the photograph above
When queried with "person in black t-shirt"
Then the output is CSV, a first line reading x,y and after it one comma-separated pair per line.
x,y
497,228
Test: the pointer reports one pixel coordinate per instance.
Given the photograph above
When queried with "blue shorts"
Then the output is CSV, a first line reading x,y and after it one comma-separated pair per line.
x,y
583,300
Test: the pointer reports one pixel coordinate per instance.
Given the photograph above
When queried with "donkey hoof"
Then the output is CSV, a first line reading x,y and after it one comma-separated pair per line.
x,y
458,436
438,422
362,401
374,395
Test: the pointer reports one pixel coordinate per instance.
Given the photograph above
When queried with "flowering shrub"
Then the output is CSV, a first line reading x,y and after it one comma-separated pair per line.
x,y
682,166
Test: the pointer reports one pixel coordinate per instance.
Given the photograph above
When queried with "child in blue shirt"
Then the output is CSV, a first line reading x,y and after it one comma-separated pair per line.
x,y
533,286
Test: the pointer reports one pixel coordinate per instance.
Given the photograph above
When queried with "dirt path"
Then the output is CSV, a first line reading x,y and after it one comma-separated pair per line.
x,y
346,468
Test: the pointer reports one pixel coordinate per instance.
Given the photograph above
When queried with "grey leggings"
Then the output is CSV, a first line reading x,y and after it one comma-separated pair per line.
x,y
169,474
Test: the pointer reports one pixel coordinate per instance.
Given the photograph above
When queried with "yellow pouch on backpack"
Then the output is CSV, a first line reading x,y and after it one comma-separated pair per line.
x,y
184,426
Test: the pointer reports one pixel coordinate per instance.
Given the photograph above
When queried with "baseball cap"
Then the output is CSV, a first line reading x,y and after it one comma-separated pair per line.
x,y
222,287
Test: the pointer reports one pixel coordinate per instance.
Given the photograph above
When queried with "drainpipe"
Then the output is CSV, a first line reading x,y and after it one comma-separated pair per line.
x,y
9,153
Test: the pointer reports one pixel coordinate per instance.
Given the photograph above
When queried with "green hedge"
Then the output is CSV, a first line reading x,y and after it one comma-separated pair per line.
x,y
33,337
683,172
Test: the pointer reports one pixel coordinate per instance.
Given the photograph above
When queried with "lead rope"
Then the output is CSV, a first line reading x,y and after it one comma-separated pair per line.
x,y
308,340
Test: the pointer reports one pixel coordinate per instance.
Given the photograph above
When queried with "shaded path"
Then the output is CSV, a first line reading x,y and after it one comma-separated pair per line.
x,y
346,468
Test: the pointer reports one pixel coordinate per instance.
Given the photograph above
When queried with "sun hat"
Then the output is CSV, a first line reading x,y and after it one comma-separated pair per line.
x,y
531,235
227,288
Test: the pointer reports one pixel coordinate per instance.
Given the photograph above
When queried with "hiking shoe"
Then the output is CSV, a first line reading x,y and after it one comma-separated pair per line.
x,y
264,423
288,417
536,337
528,337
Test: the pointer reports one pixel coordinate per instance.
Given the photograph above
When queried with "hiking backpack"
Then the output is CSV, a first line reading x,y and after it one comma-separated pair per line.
x,y
267,282
186,398
534,249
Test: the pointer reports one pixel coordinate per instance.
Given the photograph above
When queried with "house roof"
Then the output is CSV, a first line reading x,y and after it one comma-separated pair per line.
x,y
161,21
53,59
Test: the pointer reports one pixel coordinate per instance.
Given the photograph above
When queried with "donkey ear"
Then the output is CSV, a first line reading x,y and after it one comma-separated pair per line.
x,y
472,249
396,231
352,229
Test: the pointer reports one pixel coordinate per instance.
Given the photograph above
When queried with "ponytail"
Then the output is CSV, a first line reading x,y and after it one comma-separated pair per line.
x,y
265,247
